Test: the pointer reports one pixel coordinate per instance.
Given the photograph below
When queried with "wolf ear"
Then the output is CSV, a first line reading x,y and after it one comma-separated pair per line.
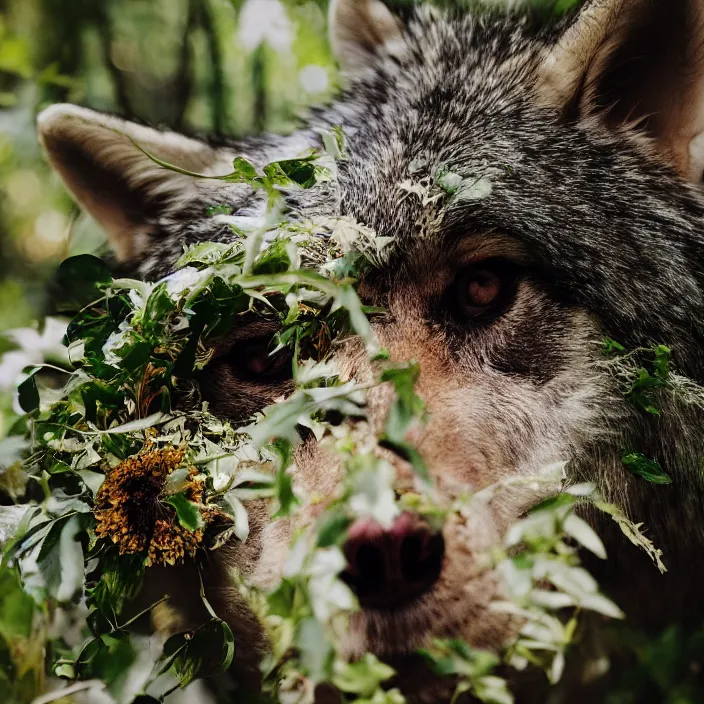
x,y
360,30
638,63
113,180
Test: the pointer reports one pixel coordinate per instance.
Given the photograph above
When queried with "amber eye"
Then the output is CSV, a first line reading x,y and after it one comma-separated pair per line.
x,y
485,289
252,361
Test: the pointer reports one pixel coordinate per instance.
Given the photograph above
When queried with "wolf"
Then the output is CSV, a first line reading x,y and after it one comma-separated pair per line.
x,y
582,145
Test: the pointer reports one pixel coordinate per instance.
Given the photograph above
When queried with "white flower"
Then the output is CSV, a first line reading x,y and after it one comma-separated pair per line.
x,y
265,21
12,365
34,348
327,593
220,481
185,279
374,496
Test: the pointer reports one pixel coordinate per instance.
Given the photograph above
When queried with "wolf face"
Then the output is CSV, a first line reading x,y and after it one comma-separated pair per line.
x,y
575,157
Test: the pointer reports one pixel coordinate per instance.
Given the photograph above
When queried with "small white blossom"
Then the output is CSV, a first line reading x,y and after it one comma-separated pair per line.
x,y
12,364
220,481
374,495
34,348
185,279
327,593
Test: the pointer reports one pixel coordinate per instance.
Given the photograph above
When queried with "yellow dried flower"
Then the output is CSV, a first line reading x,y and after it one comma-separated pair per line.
x,y
130,510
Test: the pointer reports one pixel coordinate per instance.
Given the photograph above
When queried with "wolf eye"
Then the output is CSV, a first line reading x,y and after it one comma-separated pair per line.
x,y
252,361
485,289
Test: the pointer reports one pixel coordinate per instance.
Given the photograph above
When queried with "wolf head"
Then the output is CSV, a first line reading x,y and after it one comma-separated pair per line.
x,y
570,161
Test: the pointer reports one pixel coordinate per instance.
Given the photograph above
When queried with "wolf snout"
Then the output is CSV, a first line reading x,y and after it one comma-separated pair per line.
x,y
389,568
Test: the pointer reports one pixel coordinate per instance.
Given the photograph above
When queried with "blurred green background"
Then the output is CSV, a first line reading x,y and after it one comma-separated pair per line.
x,y
200,66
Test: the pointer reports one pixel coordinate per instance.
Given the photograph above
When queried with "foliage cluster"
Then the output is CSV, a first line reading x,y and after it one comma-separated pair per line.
x,y
119,466
125,408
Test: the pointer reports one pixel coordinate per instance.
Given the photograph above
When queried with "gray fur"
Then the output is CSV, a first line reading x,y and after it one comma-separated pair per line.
x,y
610,234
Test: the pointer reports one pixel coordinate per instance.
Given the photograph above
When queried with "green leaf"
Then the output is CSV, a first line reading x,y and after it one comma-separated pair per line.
x,y
107,657
159,304
213,210
363,677
243,170
16,607
188,513
561,7
121,579
78,281
661,363
299,171
135,425
284,493
332,529
136,357
554,502
584,534
611,346
273,260
200,653
648,469
334,142
316,652
60,558
28,394
239,516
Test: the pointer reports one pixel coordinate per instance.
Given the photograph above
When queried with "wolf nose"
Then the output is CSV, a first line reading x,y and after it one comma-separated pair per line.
x,y
388,568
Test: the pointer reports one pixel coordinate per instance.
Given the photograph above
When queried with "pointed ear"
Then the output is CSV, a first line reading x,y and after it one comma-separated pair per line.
x,y
114,181
640,64
360,30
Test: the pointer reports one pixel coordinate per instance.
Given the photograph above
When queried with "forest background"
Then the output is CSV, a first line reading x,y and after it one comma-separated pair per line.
x,y
230,67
